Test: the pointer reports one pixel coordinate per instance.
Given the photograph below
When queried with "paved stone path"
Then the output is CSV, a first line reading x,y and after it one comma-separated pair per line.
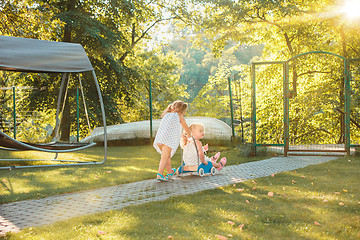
x,y
18,215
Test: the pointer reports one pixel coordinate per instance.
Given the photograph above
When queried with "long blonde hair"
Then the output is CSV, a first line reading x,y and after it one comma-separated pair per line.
x,y
177,106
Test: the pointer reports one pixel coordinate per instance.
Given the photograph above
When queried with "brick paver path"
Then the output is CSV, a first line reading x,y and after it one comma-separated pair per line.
x,y
18,215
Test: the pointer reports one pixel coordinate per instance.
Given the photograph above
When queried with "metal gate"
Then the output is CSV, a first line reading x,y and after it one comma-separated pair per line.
x,y
327,118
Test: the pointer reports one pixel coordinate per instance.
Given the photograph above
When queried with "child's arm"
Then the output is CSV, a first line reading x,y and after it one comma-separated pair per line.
x,y
184,126
200,151
206,147
183,140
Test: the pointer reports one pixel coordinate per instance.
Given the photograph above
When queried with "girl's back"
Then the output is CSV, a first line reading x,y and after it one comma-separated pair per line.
x,y
169,132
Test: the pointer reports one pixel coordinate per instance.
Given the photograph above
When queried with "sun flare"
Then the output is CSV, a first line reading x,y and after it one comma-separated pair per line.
x,y
351,8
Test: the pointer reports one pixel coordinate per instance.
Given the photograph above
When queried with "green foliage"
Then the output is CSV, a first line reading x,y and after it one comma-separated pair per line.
x,y
288,28
213,99
199,63
20,18
162,70
113,35
213,41
36,127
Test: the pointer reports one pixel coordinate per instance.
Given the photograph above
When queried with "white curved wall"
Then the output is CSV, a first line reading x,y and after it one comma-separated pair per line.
x,y
215,129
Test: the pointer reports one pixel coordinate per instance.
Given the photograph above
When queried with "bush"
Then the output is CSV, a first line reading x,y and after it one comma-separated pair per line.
x,y
245,150
37,127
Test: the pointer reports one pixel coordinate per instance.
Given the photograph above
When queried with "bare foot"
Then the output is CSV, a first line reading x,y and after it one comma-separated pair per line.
x,y
215,157
222,162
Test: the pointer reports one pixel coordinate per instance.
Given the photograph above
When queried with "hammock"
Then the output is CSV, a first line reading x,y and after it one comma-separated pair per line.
x,y
39,56
10,144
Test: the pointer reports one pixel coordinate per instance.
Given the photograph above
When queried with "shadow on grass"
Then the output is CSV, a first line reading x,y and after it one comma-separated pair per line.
x,y
296,209
124,165
7,185
317,202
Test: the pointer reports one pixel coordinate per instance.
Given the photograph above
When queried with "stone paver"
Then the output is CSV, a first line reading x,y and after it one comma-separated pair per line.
x,y
18,215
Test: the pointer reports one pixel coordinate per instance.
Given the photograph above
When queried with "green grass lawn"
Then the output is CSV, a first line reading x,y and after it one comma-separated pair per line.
x,y
316,202
124,165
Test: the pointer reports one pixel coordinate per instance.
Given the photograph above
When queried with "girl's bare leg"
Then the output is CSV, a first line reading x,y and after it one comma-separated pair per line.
x,y
168,166
165,159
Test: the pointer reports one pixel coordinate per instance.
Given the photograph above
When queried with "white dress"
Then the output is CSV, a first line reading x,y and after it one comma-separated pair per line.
x,y
190,155
169,132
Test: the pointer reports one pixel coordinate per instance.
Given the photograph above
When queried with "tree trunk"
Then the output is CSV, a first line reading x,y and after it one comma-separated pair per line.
x,y
65,123
66,118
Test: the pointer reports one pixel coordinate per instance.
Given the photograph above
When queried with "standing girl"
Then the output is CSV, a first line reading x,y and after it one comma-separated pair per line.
x,y
167,138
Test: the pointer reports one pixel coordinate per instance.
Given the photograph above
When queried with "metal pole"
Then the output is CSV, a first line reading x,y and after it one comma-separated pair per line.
x,y
253,108
347,107
77,114
14,111
241,112
150,107
238,98
103,115
231,108
286,107
84,102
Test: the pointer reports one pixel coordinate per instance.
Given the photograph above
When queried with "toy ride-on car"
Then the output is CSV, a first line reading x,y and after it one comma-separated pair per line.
x,y
202,169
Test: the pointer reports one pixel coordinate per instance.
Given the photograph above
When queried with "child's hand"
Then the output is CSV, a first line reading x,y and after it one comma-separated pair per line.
x,y
183,137
205,163
206,147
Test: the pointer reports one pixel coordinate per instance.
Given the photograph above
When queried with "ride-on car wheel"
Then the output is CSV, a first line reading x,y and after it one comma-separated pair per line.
x,y
201,172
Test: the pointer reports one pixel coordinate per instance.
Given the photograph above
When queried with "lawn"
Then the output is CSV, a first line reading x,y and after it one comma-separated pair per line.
x,y
316,202
124,165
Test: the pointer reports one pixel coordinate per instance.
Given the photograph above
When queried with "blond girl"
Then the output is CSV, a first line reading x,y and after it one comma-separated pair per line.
x,y
167,138
190,155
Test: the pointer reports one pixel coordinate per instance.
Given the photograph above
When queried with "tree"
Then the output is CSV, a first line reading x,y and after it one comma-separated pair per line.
x,y
199,63
21,19
286,28
113,34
